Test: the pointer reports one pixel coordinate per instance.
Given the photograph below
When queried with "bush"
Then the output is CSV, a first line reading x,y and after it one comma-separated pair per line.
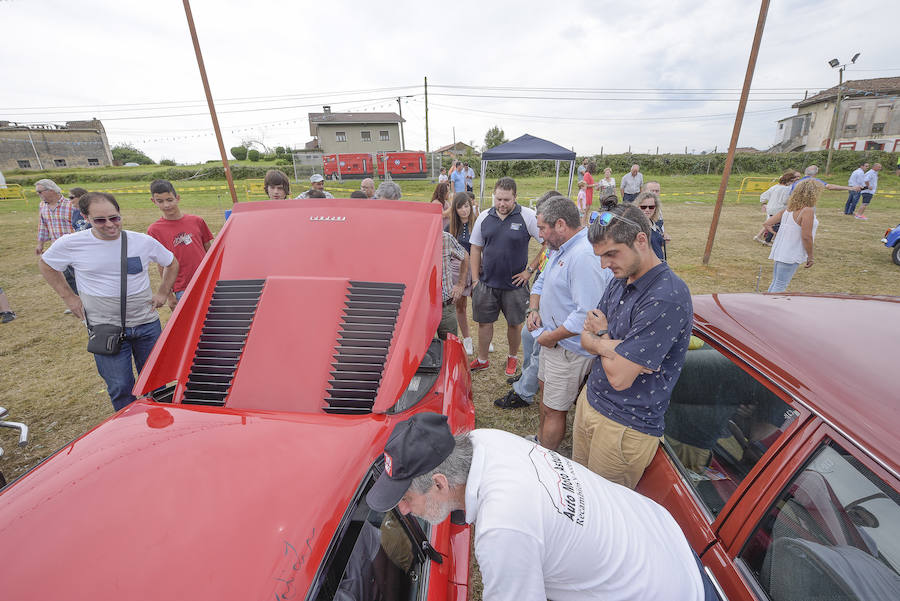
x,y
283,161
253,154
167,163
239,153
279,150
126,153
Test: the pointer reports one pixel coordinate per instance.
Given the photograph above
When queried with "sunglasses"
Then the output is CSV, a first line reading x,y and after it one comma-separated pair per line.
x,y
648,206
71,197
102,220
605,218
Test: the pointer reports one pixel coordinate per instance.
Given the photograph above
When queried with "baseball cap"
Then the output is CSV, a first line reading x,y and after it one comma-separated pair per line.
x,y
415,447
315,177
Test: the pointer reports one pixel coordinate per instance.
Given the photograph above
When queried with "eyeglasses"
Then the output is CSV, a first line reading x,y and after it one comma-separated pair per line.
x,y
102,220
71,197
651,207
605,218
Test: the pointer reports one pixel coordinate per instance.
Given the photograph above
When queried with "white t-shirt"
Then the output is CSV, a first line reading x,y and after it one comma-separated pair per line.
x,y
442,178
97,265
548,528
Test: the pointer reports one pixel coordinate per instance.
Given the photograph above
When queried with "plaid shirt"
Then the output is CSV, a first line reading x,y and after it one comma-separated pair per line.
x,y
55,223
449,250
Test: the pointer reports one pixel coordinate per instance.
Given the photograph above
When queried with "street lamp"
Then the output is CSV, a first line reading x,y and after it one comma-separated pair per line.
x,y
837,106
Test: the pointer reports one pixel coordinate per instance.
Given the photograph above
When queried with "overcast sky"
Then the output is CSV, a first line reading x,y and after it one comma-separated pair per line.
x,y
599,74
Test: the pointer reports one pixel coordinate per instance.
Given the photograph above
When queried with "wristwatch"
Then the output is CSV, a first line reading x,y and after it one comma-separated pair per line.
x,y
601,333
529,269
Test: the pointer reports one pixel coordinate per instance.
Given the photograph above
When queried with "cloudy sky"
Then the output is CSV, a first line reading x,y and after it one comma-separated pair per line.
x,y
585,74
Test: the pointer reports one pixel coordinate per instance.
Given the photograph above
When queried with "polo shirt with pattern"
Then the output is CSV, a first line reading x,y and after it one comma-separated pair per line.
x,y
652,317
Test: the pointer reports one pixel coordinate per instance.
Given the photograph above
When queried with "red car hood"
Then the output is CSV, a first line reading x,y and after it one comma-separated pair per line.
x,y
156,489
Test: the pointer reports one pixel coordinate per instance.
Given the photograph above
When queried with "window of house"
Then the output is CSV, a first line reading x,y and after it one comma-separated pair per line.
x,y
384,135
59,162
340,136
832,534
852,119
24,164
375,555
874,146
720,423
781,126
365,136
94,162
881,117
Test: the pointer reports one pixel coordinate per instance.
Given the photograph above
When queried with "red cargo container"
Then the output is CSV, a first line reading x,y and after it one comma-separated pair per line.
x,y
403,164
352,166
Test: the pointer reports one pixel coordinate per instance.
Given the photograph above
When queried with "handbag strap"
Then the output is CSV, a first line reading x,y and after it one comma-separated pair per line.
x,y
123,270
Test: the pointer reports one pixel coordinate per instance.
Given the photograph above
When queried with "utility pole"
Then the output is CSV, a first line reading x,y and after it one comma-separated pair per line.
x,y
426,115
209,100
738,119
402,137
834,120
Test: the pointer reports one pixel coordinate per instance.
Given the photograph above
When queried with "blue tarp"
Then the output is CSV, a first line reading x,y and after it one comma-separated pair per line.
x,y
528,147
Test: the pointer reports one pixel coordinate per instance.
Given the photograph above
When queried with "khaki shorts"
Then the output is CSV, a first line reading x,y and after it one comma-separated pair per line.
x,y
616,452
563,374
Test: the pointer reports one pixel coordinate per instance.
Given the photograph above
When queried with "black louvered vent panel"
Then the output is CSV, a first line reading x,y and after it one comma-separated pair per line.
x,y
370,316
222,340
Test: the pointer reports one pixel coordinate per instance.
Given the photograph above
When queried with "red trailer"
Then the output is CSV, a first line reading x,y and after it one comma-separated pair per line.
x,y
401,165
350,165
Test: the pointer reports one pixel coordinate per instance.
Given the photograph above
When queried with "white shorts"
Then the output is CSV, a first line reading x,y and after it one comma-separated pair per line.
x,y
563,373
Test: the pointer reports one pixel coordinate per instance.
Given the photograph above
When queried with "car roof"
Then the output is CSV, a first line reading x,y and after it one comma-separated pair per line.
x,y
187,502
833,353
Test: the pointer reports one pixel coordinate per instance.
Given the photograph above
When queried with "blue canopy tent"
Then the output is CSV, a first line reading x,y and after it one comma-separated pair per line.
x,y
528,148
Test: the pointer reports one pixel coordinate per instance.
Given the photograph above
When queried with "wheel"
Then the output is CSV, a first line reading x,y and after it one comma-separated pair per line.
x,y
895,254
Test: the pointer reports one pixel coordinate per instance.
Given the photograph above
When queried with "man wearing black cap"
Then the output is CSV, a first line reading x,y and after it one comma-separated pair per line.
x,y
545,527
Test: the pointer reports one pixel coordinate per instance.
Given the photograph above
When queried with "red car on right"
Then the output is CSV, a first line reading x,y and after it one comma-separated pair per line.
x,y
781,447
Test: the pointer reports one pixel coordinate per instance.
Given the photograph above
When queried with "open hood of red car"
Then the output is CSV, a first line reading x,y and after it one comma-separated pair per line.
x,y
306,273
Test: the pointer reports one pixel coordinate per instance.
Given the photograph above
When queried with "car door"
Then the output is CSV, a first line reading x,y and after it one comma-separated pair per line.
x,y
823,523
725,424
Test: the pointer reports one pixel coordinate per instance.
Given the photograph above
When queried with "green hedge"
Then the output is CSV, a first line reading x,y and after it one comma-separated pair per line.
x,y
842,161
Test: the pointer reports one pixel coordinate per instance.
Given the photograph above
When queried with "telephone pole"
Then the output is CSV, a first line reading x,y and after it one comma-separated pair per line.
x,y
402,137
426,115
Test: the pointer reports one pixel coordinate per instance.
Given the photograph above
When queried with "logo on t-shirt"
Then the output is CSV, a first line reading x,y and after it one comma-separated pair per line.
x,y
557,475
183,238
515,226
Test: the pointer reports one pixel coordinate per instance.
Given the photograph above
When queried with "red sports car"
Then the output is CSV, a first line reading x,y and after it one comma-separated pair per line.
x,y
304,337
781,447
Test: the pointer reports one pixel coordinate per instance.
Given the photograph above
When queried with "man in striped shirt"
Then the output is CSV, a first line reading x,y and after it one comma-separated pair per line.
x,y
55,220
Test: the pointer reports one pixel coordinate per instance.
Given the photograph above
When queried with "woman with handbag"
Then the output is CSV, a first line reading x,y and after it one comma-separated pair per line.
x,y
114,295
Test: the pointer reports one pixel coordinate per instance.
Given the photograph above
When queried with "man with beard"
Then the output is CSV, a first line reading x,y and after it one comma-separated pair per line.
x,y
640,333
587,539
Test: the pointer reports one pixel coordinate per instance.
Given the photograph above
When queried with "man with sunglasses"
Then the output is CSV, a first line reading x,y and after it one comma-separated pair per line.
x,y
96,255
640,333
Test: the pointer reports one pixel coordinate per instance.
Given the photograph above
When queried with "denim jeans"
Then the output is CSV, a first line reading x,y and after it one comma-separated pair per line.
x,y
116,370
850,205
179,294
781,276
527,385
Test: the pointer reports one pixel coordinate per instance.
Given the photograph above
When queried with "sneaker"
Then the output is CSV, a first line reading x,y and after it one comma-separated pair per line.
x,y
861,217
67,312
513,379
510,401
467,344
491,348
7,316
758,239
511,364
532,438
478,364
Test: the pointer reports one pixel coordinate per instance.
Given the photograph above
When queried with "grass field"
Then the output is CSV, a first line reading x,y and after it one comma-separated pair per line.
x,y
49,381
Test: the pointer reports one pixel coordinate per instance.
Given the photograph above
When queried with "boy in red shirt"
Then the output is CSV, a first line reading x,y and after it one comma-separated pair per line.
x,y
187,236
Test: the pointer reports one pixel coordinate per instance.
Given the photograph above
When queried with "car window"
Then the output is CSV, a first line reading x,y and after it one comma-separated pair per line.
x,y
719,424
834,533
373,556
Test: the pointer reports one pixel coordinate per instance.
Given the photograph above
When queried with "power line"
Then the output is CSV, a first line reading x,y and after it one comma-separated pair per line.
x,y
607,99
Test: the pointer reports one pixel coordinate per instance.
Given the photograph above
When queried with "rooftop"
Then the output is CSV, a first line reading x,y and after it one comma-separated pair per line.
x,y
855,87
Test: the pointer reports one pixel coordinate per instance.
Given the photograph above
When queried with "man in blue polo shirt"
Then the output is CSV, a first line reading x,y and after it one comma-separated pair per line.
x,y
458,178
812,171
640,332
500,270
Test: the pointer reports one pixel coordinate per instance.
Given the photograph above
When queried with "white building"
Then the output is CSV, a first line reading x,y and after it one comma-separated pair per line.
x,y
869,118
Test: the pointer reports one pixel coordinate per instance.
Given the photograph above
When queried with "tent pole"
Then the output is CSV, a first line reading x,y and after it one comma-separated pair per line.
x,y
483,175
556,184
571,175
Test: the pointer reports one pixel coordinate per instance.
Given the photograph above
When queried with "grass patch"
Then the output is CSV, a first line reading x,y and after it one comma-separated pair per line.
x,y
49,381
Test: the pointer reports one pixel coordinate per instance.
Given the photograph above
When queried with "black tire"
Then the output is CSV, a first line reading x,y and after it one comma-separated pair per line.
x,y
895,254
